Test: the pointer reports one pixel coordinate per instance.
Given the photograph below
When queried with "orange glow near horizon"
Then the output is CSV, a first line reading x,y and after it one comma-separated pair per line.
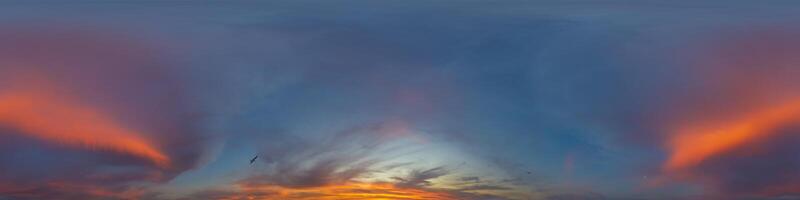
x,y
345,191
690,148
49,116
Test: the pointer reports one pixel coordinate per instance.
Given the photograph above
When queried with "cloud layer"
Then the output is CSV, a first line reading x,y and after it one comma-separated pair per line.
x,y
351,164
88,114
399,100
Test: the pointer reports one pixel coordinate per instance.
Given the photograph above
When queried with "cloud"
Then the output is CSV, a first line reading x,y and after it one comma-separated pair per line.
x,y
54,117
420,178
692,148
735,130
90,113
294,162
576,196
484,187
471,179
350,164
62,190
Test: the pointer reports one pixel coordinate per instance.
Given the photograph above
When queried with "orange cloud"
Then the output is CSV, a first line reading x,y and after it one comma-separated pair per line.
x,y
692,146
38,111
345,191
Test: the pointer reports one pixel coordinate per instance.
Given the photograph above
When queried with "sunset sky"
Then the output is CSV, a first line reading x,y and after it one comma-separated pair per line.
x,y
408,100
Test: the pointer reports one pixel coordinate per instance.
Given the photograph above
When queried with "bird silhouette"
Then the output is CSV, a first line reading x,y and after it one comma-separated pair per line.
x,y
253,160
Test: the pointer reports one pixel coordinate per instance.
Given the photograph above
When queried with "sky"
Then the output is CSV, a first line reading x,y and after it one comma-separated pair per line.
x,y
409,100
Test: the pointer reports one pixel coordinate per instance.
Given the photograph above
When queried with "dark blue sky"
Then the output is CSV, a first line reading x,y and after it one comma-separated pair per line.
x,y
399,100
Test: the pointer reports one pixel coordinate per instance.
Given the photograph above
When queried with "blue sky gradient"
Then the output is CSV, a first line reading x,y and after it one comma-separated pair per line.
x,y
428,99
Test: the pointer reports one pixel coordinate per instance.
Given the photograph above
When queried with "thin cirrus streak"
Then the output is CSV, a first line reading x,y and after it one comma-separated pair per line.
x,y
691,148
43,114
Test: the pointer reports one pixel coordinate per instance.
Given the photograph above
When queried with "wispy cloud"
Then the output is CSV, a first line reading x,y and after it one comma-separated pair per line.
x,y
86,118
348,165
724,139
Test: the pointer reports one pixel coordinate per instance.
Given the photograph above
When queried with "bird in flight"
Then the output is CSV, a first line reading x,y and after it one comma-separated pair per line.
x,y
253,160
